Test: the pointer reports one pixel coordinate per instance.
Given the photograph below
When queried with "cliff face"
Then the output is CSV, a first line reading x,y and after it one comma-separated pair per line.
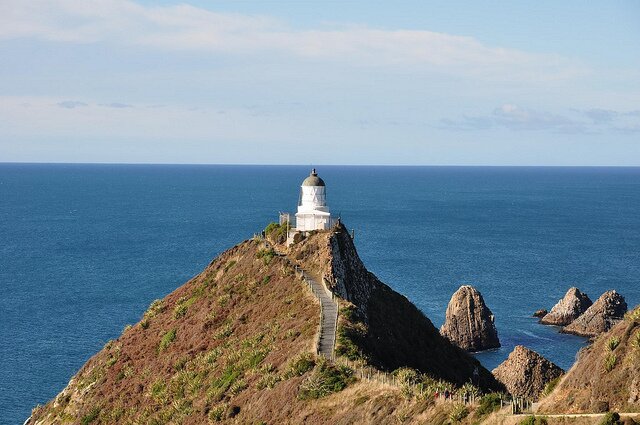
x,y
235,344
608,310
606,375
569,308
469,323
387,329
525,373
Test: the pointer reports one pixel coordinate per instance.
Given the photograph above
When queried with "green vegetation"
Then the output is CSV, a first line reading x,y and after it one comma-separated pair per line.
x,y
633,315
635,340
277,232
551,385
266,279
216,413
324,380
611,418
300,365
489,404
610,362
229,265
156,307
458,413
346,336
166,340
266,254
533,420
612,343
91,416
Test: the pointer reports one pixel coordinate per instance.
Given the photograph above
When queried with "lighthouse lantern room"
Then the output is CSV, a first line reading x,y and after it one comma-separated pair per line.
x,y
313,213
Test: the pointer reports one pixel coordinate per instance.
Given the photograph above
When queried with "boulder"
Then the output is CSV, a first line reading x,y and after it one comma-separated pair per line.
x,y
469,323
525,373
608,310
569,308
540,313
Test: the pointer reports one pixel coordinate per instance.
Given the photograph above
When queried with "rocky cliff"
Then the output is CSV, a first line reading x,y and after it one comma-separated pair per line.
x,y
236,344
608,310
569,308
525,373
387,329
606,375
469,323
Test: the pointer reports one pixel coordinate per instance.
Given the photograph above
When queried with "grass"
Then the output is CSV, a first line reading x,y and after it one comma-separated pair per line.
x,y
326,379
458,413
551,385
612,343
610,362
166,340
533,420
91,416
266,254
489,404
300,365
611,418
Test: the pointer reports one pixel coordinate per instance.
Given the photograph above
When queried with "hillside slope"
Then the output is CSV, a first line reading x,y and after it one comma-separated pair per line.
x,y
387,329
606,375
235,344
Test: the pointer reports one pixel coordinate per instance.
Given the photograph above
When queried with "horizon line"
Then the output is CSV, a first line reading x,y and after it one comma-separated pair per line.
x,y
320,165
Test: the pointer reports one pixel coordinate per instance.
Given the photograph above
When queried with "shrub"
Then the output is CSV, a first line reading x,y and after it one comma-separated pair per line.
x,y
489,403
166,340
238,386
325,379
156,307
217,412
551,385
612,343
300,365
266,254
266,280
229,265
91,416
268,380
610,362
533,420
635,340
458,413
276,232
611,418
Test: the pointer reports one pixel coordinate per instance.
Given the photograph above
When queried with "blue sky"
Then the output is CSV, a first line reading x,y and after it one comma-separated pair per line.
x,y
310,82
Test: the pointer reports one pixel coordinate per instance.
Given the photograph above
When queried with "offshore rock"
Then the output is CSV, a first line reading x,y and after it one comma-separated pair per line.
x,y
525,373
568,309
540,313
608,310
469,323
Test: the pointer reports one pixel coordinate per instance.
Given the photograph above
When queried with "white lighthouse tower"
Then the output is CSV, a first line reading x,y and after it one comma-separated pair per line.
x,y
313,213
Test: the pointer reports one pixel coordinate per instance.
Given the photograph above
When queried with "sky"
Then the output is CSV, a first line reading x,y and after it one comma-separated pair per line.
x,y
320,82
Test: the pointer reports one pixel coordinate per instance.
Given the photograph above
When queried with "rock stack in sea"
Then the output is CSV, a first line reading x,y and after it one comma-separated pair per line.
x,y
469,323
608,310
525,373
569,308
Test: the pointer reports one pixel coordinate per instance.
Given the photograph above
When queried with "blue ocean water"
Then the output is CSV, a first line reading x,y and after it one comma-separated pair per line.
x,y
84,249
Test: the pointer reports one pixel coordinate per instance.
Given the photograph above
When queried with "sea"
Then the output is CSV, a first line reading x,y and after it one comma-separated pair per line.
x,y
84,249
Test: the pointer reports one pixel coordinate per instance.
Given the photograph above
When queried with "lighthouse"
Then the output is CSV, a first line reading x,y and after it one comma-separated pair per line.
x,y
313,213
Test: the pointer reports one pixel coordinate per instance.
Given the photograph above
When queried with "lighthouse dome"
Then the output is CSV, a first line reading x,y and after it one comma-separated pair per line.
x,y
313,179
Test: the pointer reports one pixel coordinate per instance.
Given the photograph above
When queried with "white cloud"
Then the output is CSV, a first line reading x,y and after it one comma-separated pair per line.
x,y
184,27
514,117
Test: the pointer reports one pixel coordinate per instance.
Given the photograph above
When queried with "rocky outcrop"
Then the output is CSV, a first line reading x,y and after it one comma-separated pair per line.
x,y
540,313
383,325
469,322
568,309
525,373
608,310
